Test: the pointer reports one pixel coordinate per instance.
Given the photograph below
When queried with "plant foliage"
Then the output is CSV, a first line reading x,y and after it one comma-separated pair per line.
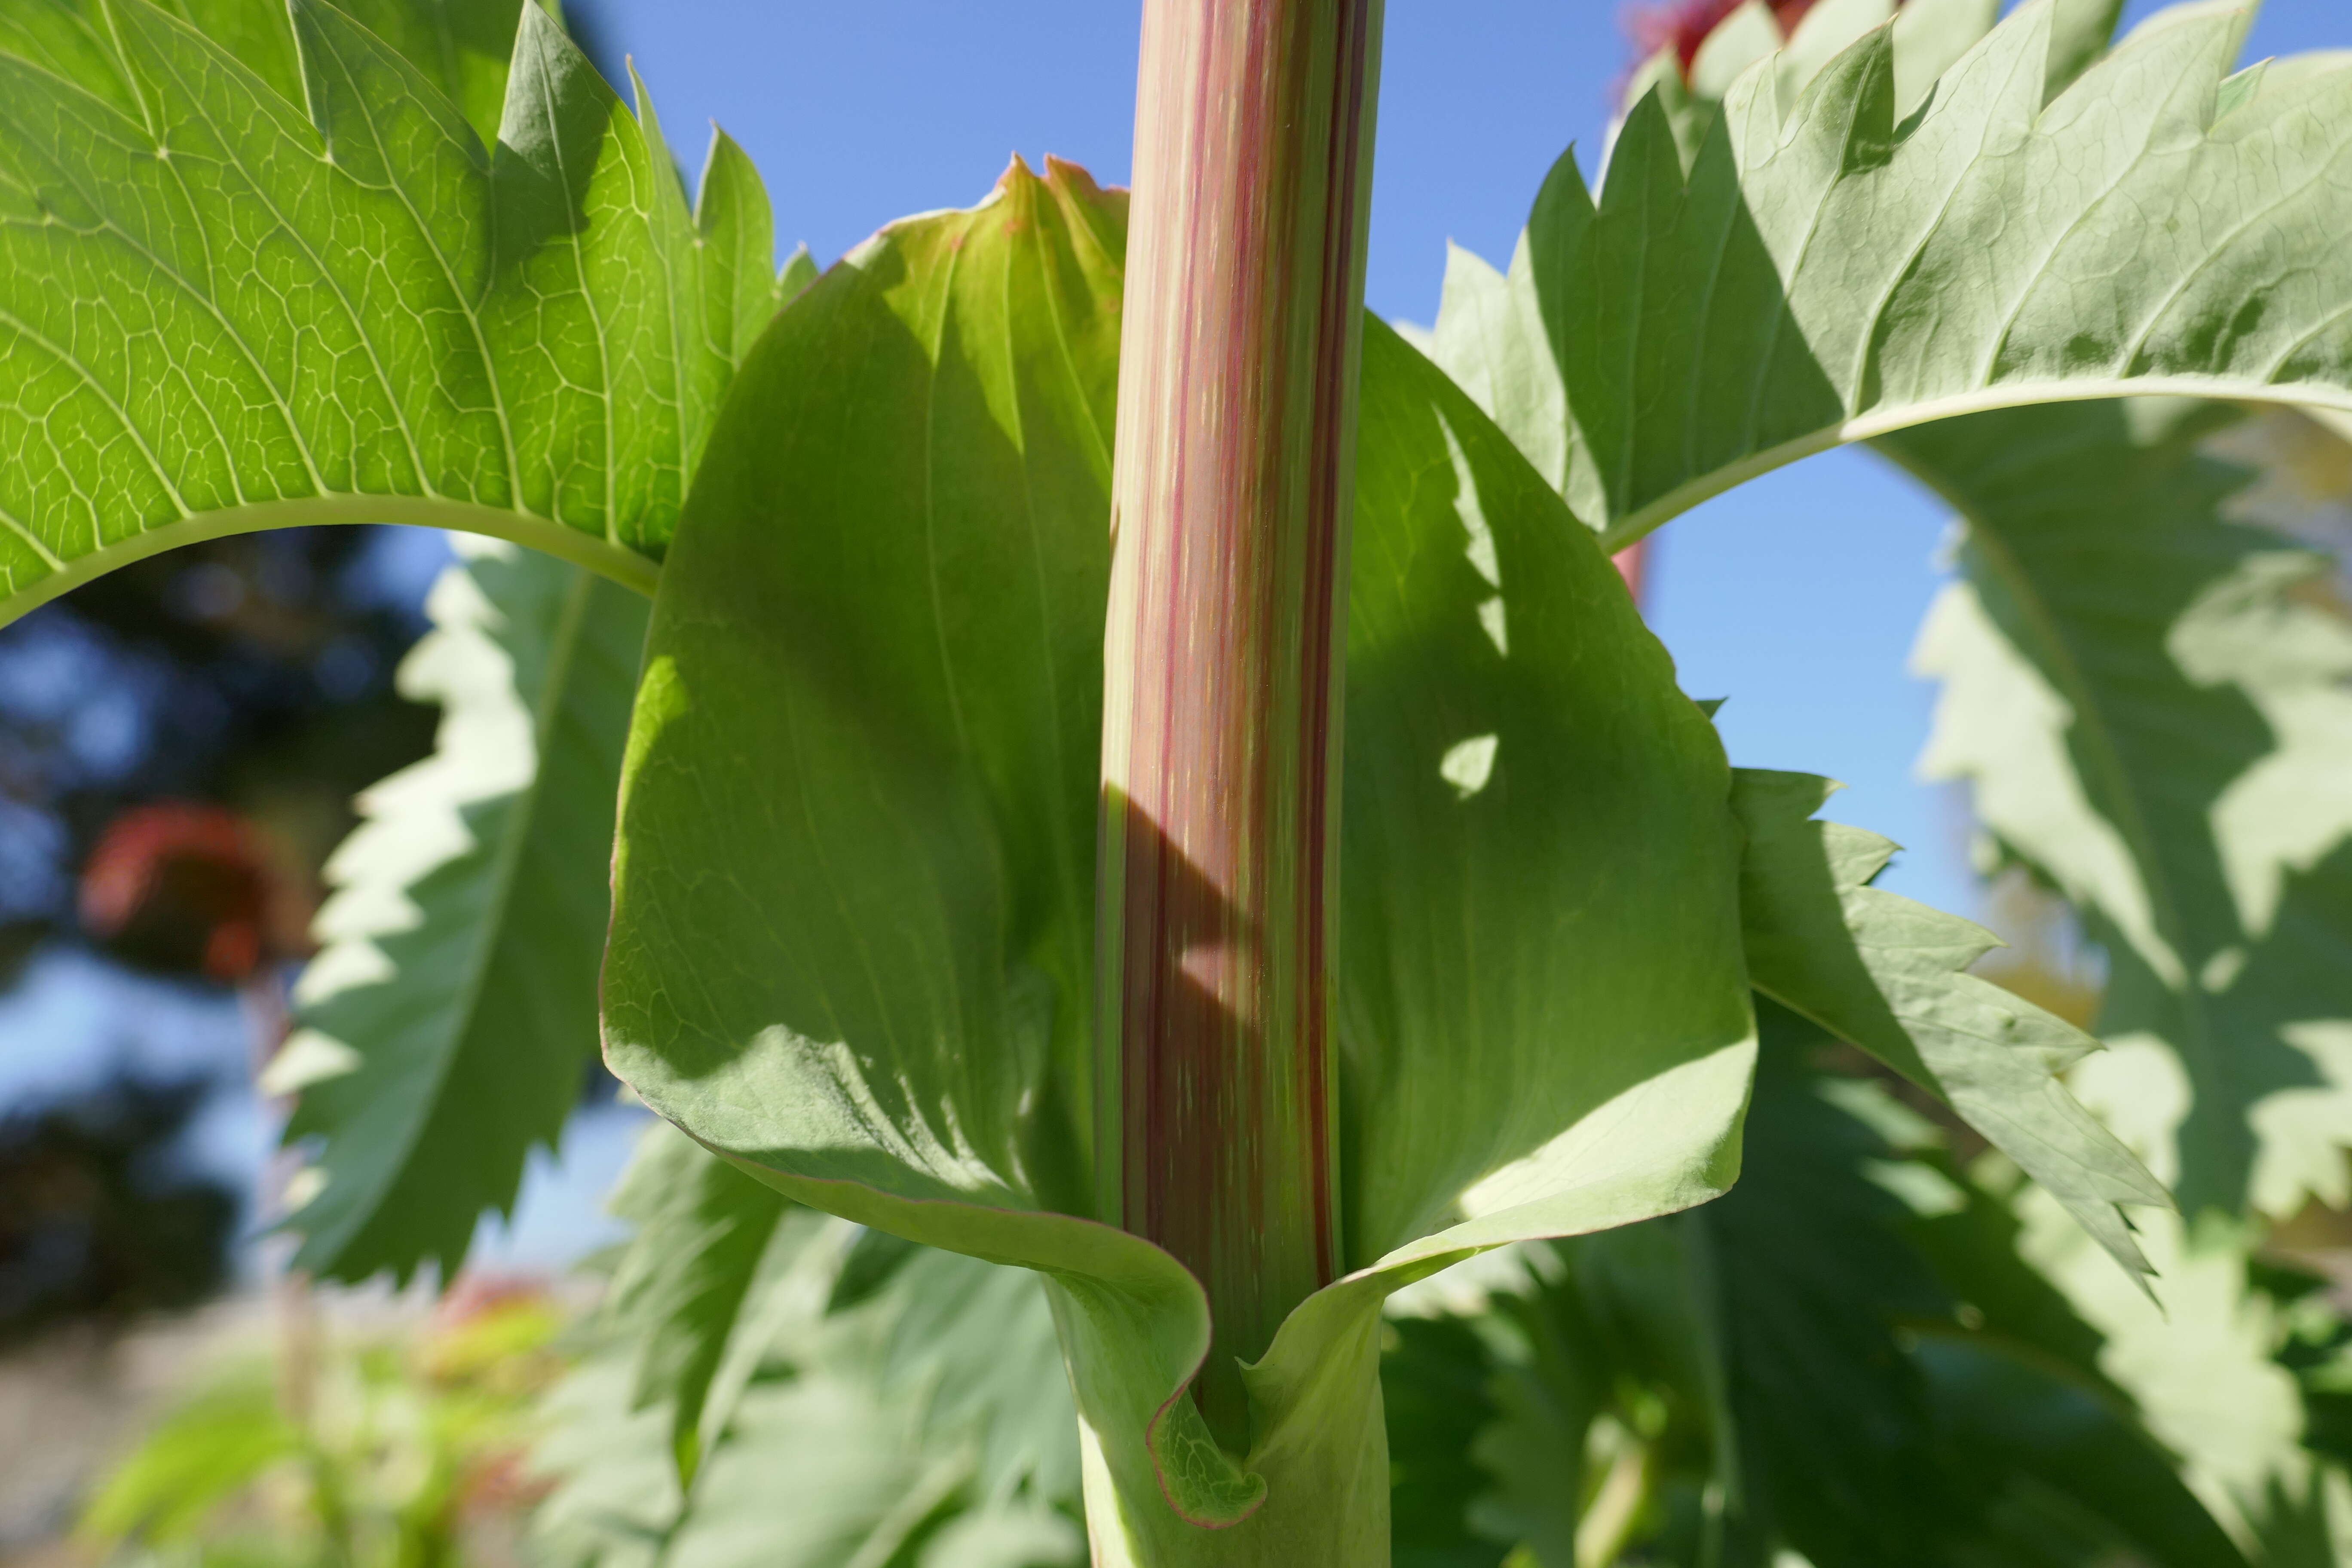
x,y
254,277
264,268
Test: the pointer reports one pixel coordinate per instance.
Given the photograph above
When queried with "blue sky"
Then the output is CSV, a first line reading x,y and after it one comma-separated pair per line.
x,y
1796,596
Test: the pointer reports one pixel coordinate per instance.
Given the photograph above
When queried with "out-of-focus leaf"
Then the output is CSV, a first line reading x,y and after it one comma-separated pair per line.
x,y
708,1238
274,276
2202,1362
447,1022
198,1459
2156,722
1787,1370
929,1424
979,1339
1435,1377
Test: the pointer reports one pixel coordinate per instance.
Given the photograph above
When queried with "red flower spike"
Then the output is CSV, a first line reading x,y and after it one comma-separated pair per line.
x,y
1683,25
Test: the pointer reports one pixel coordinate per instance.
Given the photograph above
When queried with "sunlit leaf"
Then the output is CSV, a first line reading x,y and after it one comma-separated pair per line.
x,y
1833,265
1891,976
278,278
2156,722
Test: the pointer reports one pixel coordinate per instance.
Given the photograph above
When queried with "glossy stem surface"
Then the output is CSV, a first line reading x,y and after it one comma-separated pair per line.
x,y
1232,496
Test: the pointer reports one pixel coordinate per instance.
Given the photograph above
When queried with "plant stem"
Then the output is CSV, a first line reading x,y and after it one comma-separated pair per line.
x,y
1230,498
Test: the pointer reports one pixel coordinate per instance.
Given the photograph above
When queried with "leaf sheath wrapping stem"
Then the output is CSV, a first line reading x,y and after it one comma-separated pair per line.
x,y
1231,494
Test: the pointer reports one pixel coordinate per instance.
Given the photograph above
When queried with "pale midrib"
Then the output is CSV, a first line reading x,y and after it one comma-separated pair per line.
x,y
217,523
580,549
1652,515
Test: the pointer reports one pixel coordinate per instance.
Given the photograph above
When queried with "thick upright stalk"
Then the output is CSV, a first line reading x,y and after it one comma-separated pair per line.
x,y
1220,749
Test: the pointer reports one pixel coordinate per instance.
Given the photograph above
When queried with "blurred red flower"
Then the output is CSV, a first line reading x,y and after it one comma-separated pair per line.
x,y
1683,25
182,888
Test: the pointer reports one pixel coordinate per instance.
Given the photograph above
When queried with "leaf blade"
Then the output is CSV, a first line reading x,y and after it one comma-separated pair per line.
x,y
1891,976
447,1022
2154,723
217,313
1857,275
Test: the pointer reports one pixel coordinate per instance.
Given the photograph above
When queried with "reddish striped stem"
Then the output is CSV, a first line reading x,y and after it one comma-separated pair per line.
x,y
1232,495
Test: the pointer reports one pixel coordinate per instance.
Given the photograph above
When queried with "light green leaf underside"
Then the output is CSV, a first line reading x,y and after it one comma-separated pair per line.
x,y
257,285
930,1424
1833,266
2153,713
447,1023
1537,874
865,751
858,823
1891,976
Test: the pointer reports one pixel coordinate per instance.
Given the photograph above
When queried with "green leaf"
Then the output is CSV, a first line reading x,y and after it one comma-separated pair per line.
x,y
708,1238
2149,700
1537,895
1791,1369
1891,976
1860,1448
1434,1374
199,1457
447,1021
2154,719
462,47
231,301
2202,1366
867,746
1832,267
930,1423
69,38
2083,1482
859,963
868,739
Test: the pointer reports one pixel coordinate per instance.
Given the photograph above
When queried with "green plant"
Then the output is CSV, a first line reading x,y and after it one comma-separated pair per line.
x,y
1370,899
349,1449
